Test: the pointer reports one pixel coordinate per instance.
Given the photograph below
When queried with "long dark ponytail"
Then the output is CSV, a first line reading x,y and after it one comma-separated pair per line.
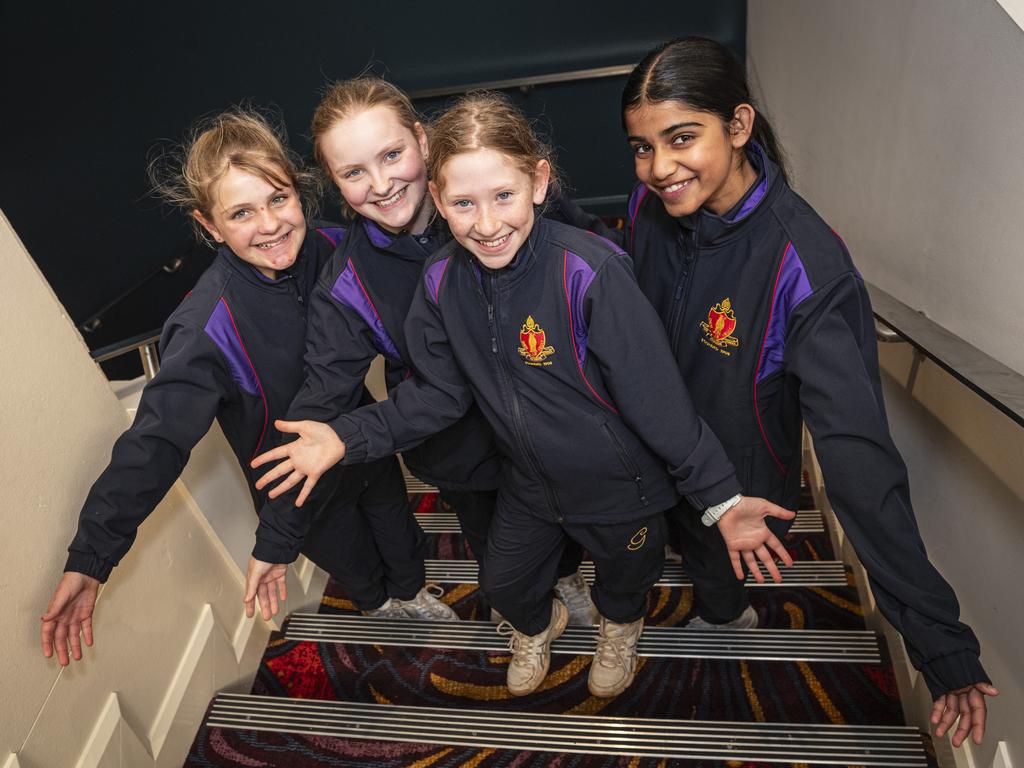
x,y
704,75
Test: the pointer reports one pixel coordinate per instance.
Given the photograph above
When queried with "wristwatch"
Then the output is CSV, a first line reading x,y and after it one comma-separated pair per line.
x,y
713,514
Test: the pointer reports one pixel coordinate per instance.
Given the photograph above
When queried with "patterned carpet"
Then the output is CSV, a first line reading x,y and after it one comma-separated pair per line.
x,y
780,692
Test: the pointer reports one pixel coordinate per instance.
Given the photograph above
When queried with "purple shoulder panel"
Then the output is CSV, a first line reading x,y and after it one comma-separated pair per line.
x,y
635,198
222,330
333,235
577,278
791,288
348,290
433,276
610,243
759,192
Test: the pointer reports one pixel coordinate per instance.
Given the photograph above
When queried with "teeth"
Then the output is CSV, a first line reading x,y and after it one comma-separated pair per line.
x,y
389,201
677,186
495,243
268,246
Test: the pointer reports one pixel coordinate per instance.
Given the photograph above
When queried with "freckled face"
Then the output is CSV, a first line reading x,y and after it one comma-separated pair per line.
x,y
685,157
261,223
488,202
379,167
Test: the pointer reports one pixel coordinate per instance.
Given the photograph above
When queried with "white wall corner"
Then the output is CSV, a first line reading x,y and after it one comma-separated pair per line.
x,y
12,761
1002,758
181,679
1015,9
102,733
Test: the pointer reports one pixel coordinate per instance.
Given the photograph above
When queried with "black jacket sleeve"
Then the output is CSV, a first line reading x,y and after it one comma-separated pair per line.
x,y
436,396
339,350
176,410
646,386
831,349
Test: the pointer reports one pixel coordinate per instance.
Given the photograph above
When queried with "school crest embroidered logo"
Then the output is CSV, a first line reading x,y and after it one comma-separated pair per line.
x,y
532,344
719,326
638,540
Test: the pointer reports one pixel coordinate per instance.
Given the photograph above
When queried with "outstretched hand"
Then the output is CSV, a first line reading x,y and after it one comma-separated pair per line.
x,y
967,705
265,582
746,535
68,617
317,449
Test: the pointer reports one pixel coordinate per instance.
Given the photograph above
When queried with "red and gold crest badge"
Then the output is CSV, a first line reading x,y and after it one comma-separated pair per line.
x,y
532,341
719,326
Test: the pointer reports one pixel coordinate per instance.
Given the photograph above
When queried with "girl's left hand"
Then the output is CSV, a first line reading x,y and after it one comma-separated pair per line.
x,y
266,582
746,535
317,449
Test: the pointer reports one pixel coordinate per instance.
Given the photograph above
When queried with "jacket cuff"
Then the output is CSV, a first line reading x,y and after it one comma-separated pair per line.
x,y
274,552
715,494
952,672
90,564
355,444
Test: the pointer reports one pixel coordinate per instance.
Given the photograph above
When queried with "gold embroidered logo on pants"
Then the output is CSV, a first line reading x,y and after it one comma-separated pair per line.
x,y
638,540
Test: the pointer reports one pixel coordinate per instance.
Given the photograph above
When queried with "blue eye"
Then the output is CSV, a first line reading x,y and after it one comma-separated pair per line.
x,y
279,200
241,213
352,174
504,195
461,204
393,154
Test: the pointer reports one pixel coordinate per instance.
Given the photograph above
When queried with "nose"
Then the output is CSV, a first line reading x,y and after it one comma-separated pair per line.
x,y
487,224
380,184
266,220
662,166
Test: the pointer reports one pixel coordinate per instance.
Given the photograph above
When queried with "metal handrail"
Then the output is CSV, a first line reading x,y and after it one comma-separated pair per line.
x,y
526,83
994,382
145,343
95,320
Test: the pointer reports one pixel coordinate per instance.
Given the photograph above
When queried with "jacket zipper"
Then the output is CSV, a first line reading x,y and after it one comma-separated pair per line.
x,y
627,461
518,420
681,294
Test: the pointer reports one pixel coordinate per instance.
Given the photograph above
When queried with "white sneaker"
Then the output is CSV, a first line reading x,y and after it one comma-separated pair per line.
x,y
614,664
574,592
426,606
389,610
746,620
531,654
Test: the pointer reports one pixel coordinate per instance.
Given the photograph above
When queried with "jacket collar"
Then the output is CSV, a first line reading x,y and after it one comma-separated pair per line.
x,y
250,274
711,229
406,246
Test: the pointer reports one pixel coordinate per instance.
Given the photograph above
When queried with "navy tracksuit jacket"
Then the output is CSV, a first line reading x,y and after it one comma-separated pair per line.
x,y
231,351
569,364
771,325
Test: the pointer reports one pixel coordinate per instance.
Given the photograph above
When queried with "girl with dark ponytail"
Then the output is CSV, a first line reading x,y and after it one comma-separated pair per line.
x,y
771,327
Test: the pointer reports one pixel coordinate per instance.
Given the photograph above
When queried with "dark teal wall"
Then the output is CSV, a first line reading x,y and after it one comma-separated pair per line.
x,y
87,92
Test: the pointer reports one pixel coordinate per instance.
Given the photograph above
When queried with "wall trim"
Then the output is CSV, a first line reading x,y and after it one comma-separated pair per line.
x,y
181,680
102,732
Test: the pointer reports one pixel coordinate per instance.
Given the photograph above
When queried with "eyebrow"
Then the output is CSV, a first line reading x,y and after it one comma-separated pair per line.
x,y
671,129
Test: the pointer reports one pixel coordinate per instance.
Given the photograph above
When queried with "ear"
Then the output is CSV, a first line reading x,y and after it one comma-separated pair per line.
x,y
435,194
421,138
741,125
541,177
208,225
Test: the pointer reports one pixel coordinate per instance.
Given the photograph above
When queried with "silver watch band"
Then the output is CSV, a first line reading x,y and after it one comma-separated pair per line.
x,y
713,514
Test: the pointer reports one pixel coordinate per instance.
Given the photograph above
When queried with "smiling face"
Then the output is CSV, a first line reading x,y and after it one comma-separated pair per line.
x,y
378,166
488,202
688,158
260,222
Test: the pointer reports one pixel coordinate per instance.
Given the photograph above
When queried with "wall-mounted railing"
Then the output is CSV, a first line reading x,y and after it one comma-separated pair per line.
x,y
1001,386
145,343
526,84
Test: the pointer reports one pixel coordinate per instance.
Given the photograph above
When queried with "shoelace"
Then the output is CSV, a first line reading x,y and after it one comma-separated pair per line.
x,y
613,651
522,646
422,605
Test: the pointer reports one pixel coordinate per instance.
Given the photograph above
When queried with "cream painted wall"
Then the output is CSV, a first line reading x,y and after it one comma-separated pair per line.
x,y
902,120
169,625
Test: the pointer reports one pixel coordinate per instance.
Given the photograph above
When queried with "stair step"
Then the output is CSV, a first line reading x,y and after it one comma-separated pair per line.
x,y
859,647
579,734
807,521
803,573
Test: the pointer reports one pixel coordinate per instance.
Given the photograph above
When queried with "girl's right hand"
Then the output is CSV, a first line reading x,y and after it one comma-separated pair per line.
x,y
317,449
746,535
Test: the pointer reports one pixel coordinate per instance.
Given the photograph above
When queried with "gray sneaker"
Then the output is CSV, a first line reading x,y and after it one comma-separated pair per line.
x,y
531,654
391,609
746,620
426,606
614,664
574,592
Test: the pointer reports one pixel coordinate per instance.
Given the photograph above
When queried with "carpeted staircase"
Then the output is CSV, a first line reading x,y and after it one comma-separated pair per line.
x,y
811,686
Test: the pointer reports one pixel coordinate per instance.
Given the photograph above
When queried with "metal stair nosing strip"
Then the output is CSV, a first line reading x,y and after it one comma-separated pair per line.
x,y
803,573
582,734
807,521
860,647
